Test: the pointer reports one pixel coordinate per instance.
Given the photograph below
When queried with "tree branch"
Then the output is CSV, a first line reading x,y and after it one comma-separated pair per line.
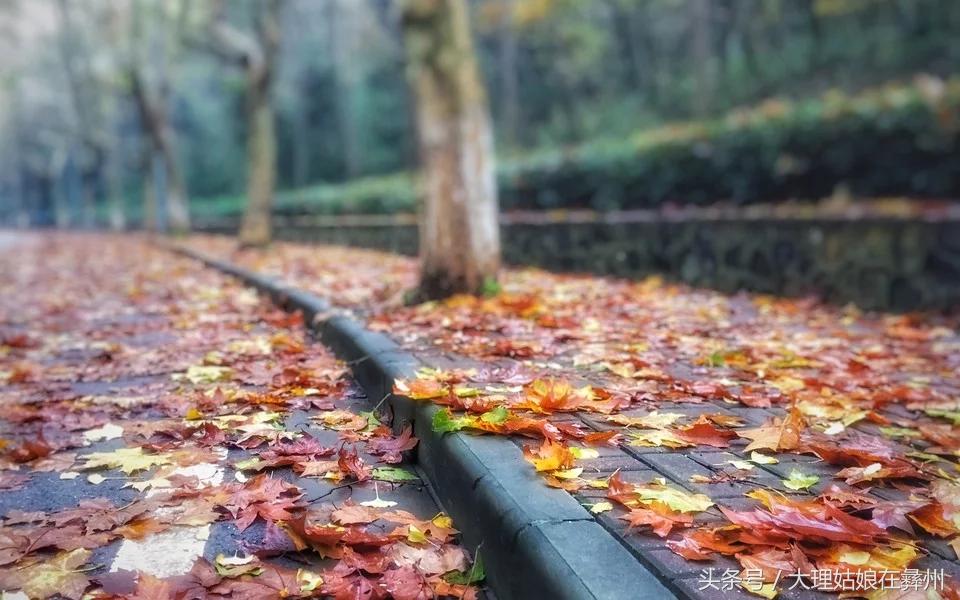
x,y
231,43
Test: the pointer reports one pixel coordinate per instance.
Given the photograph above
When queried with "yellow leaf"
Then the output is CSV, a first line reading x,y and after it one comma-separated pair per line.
x,y
201,374
308,580
568,473
657,438
854,557
654,420
762,459
584,453
676,499
128,460
442,521
788,385
601,507
415,536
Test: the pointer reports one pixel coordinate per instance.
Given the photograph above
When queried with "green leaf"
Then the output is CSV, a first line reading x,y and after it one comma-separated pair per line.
x,y
950,415
497,416
899,432
799,481
716,359
443,422
490,287
372,421
474,575
394,474
248,464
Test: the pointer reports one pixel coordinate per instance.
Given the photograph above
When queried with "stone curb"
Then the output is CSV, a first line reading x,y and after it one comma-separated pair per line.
x,y
536,541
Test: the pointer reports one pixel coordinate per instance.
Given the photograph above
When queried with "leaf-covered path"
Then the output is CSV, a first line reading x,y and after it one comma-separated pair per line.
x,y
735,443
166,433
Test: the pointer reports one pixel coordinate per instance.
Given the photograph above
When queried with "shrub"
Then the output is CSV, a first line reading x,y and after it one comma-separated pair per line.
x,y
897,140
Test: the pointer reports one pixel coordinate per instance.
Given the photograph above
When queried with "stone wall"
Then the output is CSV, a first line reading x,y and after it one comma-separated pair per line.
x,y
876,263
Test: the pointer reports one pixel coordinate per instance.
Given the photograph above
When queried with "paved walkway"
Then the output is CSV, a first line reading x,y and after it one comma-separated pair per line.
x,y
732,441
166,431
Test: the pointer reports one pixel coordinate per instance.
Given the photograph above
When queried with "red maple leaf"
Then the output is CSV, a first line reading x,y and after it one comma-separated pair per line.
x,y
390,449
265,497
350,463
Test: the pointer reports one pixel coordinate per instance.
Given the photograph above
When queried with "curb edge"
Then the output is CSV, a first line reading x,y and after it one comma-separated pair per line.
x,y
537,541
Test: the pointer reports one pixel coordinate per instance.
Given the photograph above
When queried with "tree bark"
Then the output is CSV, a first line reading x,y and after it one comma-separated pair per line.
x,y
150,222
459,233
153,114
257,54
256,229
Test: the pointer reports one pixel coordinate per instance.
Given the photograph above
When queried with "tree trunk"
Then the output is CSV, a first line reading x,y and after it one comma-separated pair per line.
x,y
150,222
153,114
178,213
116,211
459,233
261,163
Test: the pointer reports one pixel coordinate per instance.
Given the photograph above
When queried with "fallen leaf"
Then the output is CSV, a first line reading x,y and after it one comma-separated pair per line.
x,y
58,575
128,460
799,481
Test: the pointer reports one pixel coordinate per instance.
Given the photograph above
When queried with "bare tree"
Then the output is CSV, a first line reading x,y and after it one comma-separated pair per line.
x,y
256,53
459,234
152,101
85,99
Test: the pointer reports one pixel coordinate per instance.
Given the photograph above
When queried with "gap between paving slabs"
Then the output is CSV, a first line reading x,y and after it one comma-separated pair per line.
x,y
535,541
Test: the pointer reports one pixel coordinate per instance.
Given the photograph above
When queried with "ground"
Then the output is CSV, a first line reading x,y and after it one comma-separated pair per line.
x,y
734,443
168,433
742,434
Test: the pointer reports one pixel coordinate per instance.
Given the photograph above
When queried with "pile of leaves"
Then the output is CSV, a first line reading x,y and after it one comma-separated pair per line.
x,y
854,415
168,398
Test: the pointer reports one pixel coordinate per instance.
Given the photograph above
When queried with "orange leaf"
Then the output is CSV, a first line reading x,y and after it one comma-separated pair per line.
x,y
550,456
704,433
783,434
930,517
659,517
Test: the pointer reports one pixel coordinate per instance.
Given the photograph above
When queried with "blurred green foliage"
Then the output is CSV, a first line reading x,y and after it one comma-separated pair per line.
x,y
896,140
